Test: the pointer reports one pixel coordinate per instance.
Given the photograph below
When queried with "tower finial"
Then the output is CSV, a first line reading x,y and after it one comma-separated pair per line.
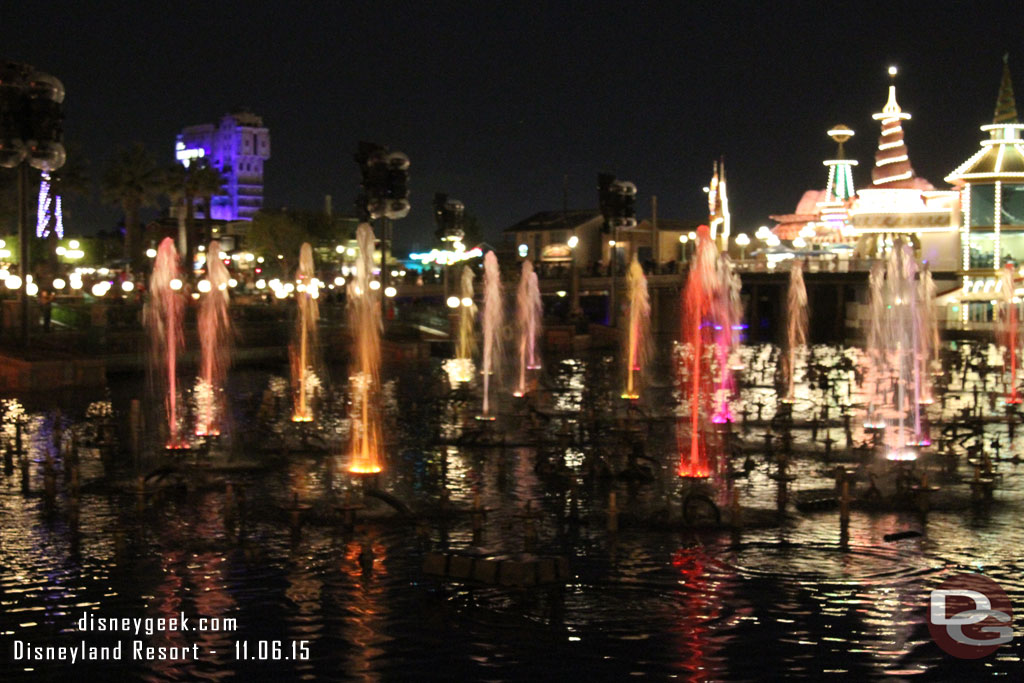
x,y
1006,106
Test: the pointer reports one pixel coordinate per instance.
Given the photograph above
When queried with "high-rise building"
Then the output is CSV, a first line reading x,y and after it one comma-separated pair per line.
x,y
237,147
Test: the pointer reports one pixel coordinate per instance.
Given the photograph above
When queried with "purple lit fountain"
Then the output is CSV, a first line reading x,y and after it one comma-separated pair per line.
x,y
796,327
493,319
529,312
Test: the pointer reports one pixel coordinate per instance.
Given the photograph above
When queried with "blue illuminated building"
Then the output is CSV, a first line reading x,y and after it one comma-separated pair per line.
x,y
237,147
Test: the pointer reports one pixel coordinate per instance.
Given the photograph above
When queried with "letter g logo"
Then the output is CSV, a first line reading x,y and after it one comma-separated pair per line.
x,y
963,613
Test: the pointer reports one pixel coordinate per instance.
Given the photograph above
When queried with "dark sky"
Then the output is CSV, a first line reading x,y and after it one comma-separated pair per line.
x,y
495,102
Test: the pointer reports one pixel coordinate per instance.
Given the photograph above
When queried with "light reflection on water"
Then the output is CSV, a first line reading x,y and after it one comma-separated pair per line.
x,y
764,601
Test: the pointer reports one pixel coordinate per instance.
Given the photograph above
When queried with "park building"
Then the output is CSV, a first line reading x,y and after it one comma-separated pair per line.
x,y
237,146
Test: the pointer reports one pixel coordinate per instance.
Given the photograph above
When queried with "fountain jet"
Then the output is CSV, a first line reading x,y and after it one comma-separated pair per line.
x,y
1009,323
796,326
493,319
638,339
163,317
706,313
529,312
304,351
364,319
215,343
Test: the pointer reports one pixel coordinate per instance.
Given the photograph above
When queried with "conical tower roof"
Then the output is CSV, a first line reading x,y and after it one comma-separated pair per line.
x,y
1006,106
1001,157
892,161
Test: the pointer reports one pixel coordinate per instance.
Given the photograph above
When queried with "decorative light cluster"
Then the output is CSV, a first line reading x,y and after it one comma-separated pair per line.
x,y
446,257
48,210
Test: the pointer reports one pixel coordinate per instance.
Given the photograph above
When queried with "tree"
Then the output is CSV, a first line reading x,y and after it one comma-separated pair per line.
x,y
132,180
207,183
278,233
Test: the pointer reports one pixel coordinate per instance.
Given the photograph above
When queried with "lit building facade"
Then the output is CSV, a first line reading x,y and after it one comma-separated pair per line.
x,y
897,204
991,185
237,147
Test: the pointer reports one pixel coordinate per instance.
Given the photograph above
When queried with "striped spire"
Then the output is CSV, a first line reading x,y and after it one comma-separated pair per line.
x,y
1006,106
892,161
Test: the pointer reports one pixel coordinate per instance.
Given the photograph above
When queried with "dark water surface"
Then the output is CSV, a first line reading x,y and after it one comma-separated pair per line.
x,y
786,598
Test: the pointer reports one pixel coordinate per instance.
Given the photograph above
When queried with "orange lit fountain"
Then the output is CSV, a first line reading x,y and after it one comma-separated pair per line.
x,y
303,351
364,320
638,339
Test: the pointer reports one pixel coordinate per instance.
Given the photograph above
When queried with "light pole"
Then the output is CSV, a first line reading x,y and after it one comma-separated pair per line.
x,y
385,193
30,130
616,199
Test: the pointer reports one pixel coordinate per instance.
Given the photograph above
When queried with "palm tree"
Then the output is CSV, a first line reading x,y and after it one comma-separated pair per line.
x,y
186,184
207,182
132,180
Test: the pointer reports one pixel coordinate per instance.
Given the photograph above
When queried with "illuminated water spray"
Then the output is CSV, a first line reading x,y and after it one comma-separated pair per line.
x,y
729,313
460,369
1008,328
529,312
364,319
903,337
876,370
638,339
215,342
304,351
796,326
163,318
493,319
928,359
705,314
467,317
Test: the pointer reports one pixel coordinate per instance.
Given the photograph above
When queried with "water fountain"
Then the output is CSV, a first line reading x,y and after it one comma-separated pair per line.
x,y
304,351
163,318
364,320
638,337
727,337
460,369
705,314
493,319
875,358
215,342
928,335
1008,324
529,312
796,326
903,346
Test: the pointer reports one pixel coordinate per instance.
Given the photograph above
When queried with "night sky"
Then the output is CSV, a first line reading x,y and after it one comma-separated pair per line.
x,y
495,103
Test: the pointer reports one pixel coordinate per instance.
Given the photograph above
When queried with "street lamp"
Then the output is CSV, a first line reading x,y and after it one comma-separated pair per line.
x,y
742,241
31,118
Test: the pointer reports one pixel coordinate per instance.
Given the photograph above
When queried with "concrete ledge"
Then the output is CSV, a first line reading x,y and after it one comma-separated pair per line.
x,y
19,374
